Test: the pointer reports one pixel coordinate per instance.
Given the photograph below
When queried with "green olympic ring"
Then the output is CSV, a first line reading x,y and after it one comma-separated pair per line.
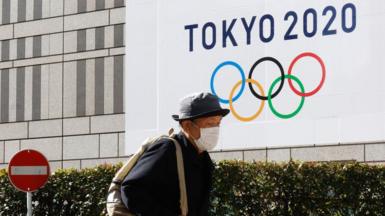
x,y
273,110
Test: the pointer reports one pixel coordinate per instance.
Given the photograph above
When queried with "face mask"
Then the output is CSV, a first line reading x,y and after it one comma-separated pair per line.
x,y
209,138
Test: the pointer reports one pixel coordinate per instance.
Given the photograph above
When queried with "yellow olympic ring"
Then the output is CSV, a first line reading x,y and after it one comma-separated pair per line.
x,y
241,118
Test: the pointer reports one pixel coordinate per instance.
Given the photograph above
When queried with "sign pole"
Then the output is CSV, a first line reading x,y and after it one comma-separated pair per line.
x,y
29,203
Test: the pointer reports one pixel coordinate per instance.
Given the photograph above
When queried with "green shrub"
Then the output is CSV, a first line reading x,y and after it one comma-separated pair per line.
x,y
298,189
68,192
239,188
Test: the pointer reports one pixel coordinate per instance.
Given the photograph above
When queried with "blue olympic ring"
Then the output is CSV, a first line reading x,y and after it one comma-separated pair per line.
x,y
236,65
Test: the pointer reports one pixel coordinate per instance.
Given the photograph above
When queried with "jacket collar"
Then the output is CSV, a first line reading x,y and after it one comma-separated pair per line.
x,y
189,148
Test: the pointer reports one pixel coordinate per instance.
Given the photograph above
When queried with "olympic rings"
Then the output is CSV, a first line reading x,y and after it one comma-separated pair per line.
x,y
270,94
242,75
286,116
236,115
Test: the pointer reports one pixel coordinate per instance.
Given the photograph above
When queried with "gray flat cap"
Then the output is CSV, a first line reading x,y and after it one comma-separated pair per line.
x,y
199,105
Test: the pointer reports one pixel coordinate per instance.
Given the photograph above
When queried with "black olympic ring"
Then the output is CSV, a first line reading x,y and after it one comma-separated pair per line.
x,y
282,77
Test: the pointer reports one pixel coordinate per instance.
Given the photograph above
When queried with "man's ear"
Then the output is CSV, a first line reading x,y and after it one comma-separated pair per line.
x,y
185,125
190,129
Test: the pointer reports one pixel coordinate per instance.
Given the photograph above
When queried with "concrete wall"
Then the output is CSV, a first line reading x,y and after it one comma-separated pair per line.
x,y
61,88
373,153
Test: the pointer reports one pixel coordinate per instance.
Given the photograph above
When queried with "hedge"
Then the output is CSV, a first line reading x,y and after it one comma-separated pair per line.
x,y
240,188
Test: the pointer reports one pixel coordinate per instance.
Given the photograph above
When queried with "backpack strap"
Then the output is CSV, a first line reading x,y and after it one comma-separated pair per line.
x,y
126,168
181,175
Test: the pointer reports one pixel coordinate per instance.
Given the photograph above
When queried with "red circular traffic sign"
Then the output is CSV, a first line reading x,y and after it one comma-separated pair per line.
x,y
28,170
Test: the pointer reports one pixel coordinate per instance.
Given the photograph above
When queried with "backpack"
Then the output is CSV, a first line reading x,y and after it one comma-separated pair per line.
x,y
115,206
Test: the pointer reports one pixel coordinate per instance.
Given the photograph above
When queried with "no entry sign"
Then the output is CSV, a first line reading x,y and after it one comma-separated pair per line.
x,y
28,170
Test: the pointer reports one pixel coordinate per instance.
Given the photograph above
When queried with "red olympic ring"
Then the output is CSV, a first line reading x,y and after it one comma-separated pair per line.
x,y
309,54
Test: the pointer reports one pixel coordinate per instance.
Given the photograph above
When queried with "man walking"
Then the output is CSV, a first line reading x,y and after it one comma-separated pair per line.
x,y
152,187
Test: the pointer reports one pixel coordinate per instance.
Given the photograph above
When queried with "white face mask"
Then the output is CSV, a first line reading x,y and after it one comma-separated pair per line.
x,y
209,138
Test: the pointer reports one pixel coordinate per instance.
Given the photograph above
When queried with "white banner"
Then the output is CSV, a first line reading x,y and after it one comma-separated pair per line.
x,y
293,72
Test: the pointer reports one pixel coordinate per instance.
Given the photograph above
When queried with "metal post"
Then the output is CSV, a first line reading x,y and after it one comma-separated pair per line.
x,y
29,204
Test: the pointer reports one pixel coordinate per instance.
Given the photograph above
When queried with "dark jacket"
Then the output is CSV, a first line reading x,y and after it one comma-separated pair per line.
x,y
152,187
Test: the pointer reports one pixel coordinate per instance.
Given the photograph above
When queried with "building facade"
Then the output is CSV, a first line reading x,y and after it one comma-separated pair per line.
x,y
62,64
